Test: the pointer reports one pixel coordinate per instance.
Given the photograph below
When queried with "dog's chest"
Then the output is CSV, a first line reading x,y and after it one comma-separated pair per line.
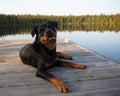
x,y
47,65
51,62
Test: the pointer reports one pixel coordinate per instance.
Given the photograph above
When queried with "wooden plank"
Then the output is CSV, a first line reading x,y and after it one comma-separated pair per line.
x,y
66,76
101,78
95,86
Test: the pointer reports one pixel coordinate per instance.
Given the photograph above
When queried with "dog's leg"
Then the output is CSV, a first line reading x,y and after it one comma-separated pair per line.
x,y
47,76
64,56
70,64
73,65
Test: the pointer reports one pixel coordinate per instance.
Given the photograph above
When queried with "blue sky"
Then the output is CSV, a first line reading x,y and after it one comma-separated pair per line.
x,y
59,7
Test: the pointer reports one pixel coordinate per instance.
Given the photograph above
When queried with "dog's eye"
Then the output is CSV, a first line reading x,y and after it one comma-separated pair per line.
x,y
41,28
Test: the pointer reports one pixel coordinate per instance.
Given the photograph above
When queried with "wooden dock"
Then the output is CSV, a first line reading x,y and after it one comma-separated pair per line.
x,y
101,78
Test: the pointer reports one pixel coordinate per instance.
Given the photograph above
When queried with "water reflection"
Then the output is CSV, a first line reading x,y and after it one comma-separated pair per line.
x,y
8,30
103,41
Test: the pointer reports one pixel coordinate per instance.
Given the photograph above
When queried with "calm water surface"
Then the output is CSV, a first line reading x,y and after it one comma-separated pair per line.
x,y
105,43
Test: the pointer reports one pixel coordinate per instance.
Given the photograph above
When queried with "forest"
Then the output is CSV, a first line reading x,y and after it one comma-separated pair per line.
x,y
100,22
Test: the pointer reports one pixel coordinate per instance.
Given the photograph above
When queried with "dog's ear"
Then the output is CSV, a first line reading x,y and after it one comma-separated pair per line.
x,y
34,31
54,24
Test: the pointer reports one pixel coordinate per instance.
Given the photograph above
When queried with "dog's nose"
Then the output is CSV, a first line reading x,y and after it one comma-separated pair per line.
x,y
50,33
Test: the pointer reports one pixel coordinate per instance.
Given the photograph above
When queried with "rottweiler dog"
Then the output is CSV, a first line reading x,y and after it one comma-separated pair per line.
x,y
42,54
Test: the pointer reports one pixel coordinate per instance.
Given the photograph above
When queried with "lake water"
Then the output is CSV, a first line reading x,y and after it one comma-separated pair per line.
x,y
105,43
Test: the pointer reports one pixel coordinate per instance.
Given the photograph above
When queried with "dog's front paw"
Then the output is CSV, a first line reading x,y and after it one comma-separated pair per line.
x,y
62,87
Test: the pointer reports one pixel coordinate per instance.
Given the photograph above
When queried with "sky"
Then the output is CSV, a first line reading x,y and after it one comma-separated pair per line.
x,y
59,7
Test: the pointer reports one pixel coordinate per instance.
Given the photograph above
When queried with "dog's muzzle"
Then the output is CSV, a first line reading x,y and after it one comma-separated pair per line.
x,y
51,35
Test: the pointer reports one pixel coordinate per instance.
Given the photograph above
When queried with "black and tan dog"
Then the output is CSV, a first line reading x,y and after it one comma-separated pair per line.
x,y
42,54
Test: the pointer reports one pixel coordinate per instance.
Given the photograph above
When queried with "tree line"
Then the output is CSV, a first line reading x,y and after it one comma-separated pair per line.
x,y
70,22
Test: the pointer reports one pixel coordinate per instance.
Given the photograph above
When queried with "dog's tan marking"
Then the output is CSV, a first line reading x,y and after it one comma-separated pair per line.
x,y
60,85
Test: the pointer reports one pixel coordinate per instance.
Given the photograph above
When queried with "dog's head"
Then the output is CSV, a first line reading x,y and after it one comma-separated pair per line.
x,y
46,34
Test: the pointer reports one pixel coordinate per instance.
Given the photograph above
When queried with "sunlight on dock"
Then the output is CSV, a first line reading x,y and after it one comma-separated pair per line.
x,y
101,78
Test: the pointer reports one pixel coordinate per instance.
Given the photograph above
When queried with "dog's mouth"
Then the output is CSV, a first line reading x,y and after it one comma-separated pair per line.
x,y
50,43
52,38
48,39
